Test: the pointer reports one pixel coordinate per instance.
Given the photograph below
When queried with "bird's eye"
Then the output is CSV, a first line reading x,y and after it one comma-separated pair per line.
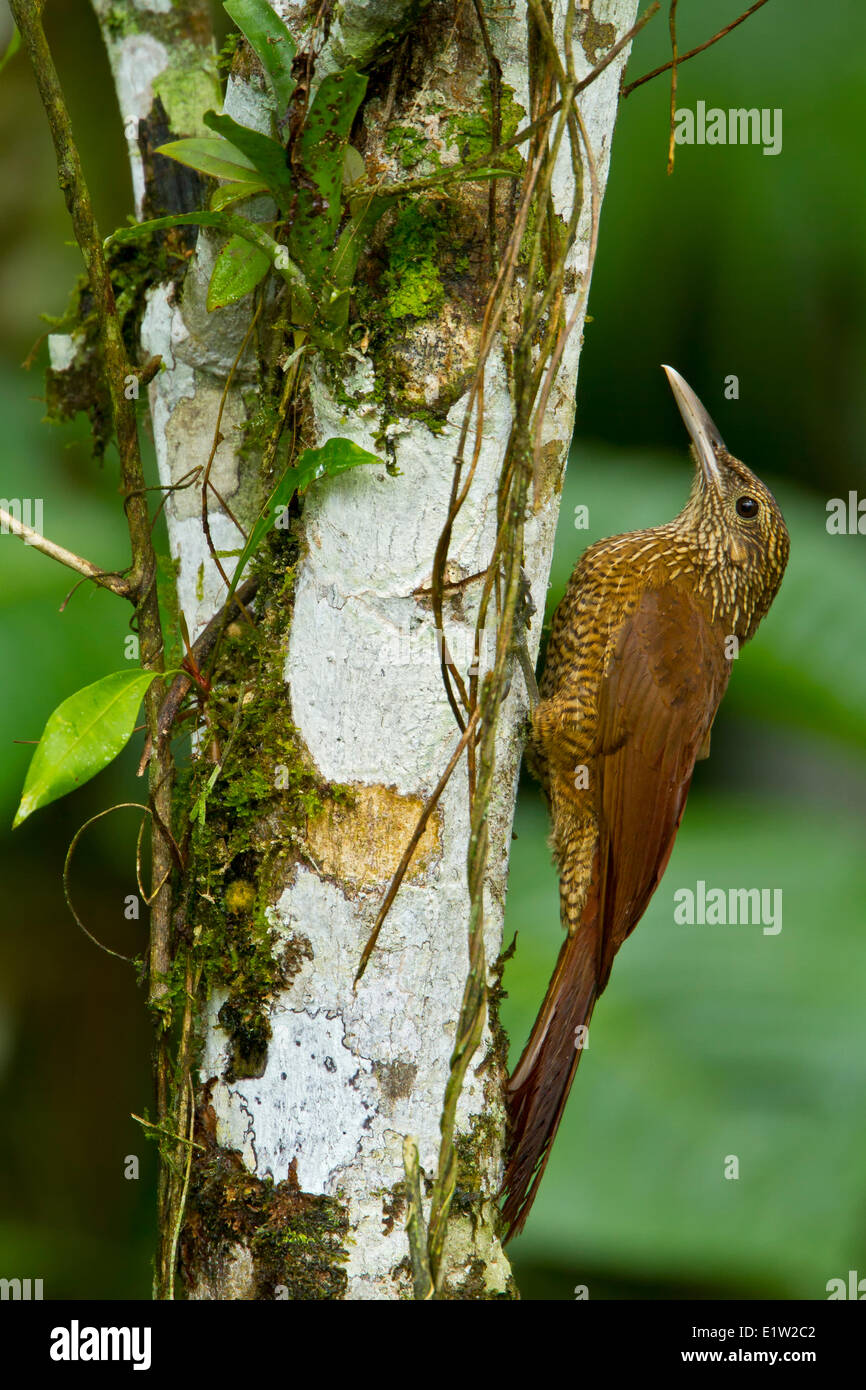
x,y
747,507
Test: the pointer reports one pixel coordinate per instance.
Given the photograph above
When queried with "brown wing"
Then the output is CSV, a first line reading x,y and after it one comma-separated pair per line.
x,y
658,699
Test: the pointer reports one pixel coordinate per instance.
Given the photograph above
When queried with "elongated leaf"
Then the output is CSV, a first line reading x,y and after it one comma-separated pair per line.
x,y
229,193
343,262
334,456
213,155
239,267
354,167
303,303
266,154
234,225
83,735
272,42
366,211
11,48
321,151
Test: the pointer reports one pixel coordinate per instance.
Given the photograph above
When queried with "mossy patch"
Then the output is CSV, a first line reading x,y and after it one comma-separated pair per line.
x,y
245,827
410,147
477,1150
187,90
472,132
421,302
596,38
413,288
133,268
295,1242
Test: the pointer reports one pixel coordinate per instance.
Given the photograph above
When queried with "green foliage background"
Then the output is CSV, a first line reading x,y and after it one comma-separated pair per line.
x,y
710,1041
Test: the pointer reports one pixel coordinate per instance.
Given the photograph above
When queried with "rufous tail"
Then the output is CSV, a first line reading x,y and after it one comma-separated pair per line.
x,y
542,1079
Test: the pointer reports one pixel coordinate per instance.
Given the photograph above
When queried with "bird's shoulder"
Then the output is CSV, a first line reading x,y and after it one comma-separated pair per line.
x,y
665,653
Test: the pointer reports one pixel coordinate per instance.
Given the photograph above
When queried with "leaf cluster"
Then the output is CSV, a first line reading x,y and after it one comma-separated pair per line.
x,y
314,179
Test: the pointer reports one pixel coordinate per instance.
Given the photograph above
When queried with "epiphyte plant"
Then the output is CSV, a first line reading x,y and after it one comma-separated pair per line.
x,y
314,178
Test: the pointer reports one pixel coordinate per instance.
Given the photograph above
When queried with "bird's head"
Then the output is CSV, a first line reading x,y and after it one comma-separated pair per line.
x,y
732,519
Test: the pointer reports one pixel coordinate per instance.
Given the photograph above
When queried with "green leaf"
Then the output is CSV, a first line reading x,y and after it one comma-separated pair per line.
x,y
265,154
239,267
366,212
279,499
229,193
212,155
304,313
320,151
199,810
271,41
11,48
234,225
354,167
81,737
343,263
333,457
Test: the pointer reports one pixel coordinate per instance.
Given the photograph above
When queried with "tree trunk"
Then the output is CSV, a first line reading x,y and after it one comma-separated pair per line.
x,y
328,725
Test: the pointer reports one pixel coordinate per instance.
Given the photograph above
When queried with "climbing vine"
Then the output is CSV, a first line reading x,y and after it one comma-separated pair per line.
x,y
533,268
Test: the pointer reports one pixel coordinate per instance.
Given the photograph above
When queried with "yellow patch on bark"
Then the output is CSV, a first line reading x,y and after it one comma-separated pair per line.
x,y
364,843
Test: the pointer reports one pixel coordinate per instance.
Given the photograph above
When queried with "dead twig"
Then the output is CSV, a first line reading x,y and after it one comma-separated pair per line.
x,y
692,53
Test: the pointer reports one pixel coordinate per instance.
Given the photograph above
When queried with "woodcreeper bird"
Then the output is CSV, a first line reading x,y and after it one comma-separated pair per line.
x,y
639,658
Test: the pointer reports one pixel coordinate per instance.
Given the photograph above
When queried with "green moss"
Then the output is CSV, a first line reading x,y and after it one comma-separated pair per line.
x,y
472,132
118,21
410,147
263,416
187,90
434,423
225,57
413,287
296,1241
246,830
167,571
528,238
512,114
430,256
474,1151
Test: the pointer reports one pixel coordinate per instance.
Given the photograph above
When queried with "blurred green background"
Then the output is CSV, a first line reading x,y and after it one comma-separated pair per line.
x,y
710,1041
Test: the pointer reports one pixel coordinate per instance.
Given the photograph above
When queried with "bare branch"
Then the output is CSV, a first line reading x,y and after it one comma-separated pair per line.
x,y
103,578
656,72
